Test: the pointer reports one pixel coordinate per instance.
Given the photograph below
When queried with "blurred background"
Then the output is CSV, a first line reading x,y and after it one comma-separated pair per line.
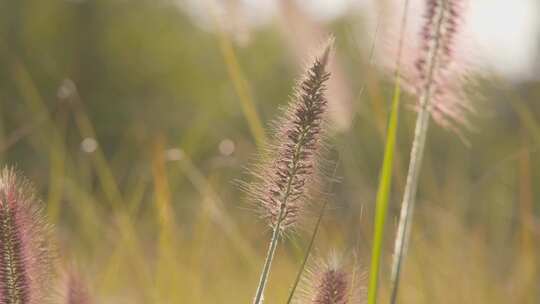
x,y
135,119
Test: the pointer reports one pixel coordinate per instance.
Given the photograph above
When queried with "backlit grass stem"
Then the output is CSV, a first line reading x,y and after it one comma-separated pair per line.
x,y
417,153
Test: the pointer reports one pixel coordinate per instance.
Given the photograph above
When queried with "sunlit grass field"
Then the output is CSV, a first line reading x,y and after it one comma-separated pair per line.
x,y
136,124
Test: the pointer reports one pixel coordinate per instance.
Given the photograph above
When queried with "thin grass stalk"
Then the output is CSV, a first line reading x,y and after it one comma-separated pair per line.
x,y
415,164
238,79
308,252
242,89
269,258
285,180
107,181
215,206
385,183
310,245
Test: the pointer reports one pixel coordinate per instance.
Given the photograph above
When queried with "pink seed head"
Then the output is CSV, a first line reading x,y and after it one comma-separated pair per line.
x,y
438,66
332,287
24,249
330,281
434,57
289,172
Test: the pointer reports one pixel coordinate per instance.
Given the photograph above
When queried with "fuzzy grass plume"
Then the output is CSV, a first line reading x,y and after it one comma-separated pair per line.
x,y
438,96
435,58
329,281
439,65
24,249
285,179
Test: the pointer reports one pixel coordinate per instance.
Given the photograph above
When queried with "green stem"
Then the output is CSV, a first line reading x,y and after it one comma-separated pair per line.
x,y
385,182
383,195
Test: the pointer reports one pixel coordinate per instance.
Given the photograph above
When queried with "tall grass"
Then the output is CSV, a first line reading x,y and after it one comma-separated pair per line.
x,y
434,84
149,229
288,177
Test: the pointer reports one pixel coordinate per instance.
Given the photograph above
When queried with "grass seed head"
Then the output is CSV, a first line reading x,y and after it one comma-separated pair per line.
x,y
330,281
292,165
25,268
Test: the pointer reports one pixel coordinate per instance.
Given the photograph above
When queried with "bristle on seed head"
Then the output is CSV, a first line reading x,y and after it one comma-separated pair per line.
x,y
330,281
25,268
435,59
438,66
292,164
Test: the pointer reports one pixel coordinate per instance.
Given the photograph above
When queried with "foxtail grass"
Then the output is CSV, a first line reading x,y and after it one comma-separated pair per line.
x,y
436,91
25,252
289,174
332,287
329,281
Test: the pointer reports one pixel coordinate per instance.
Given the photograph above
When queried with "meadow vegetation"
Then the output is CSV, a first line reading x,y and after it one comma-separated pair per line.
x,y
140,126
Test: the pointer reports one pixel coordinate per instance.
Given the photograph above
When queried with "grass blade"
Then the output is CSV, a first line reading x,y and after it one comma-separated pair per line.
x,y
385,182
383,195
